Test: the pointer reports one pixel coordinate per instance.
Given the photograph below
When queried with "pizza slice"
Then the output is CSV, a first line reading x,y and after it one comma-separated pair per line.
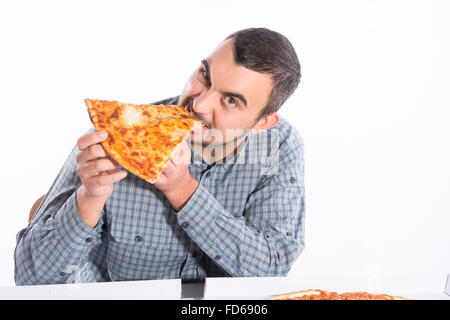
x,y
311,294
315,294
141,138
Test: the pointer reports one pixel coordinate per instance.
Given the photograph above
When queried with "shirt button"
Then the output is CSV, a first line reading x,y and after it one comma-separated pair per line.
x,y
88,240
62,274
185,225
292,179
288,234
217,257
208,174
138,238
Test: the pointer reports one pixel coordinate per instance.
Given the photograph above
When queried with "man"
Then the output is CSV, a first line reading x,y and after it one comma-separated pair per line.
x,y
229,203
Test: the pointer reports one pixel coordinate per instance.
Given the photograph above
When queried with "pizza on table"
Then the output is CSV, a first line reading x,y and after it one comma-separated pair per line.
x,y
315,294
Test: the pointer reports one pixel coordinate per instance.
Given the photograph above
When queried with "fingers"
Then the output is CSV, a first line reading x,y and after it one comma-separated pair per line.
x,y
182,154
105,179
95,167
162,179
92,152
169,168
91,138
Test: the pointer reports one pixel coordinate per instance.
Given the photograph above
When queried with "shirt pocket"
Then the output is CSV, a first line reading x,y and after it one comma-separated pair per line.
x,y
128,261
144,245
156,228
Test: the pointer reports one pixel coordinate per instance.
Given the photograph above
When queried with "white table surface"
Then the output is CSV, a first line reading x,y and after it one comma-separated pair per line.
x,y
413,287
136,290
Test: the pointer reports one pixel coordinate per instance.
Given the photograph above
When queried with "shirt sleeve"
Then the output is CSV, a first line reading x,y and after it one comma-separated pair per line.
x,y
56,245
267,239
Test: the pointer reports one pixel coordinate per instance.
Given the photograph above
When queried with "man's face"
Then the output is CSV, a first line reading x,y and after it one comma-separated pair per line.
x,y
227,97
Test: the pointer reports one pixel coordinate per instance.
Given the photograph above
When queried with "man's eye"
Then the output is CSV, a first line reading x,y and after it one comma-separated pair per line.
x,y
203,72
230,101
203,76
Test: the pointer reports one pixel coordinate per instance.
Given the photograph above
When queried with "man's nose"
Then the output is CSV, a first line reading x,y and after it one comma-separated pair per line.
x,y
204,103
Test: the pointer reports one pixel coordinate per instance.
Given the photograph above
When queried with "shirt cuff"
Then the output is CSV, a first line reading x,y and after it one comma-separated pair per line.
x,y
71,227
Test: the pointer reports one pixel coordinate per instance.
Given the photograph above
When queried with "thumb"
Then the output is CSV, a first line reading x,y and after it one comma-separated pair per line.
x,y
182,154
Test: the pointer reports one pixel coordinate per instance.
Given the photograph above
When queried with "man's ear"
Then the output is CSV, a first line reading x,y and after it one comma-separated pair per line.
x,y
265,123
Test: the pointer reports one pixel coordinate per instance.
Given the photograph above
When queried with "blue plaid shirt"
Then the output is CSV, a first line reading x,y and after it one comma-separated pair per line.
x,y
246,218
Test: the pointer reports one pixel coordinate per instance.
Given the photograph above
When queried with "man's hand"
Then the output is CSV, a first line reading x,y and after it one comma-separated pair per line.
x,y
175,181
98,173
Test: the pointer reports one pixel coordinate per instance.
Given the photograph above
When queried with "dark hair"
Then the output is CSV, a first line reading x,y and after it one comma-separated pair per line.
x,y
266,51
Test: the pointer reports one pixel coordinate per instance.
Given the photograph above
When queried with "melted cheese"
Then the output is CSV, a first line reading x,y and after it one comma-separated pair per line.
x,y
131,115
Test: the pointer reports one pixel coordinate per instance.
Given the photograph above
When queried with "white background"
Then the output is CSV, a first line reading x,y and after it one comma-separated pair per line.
x,y
372,107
